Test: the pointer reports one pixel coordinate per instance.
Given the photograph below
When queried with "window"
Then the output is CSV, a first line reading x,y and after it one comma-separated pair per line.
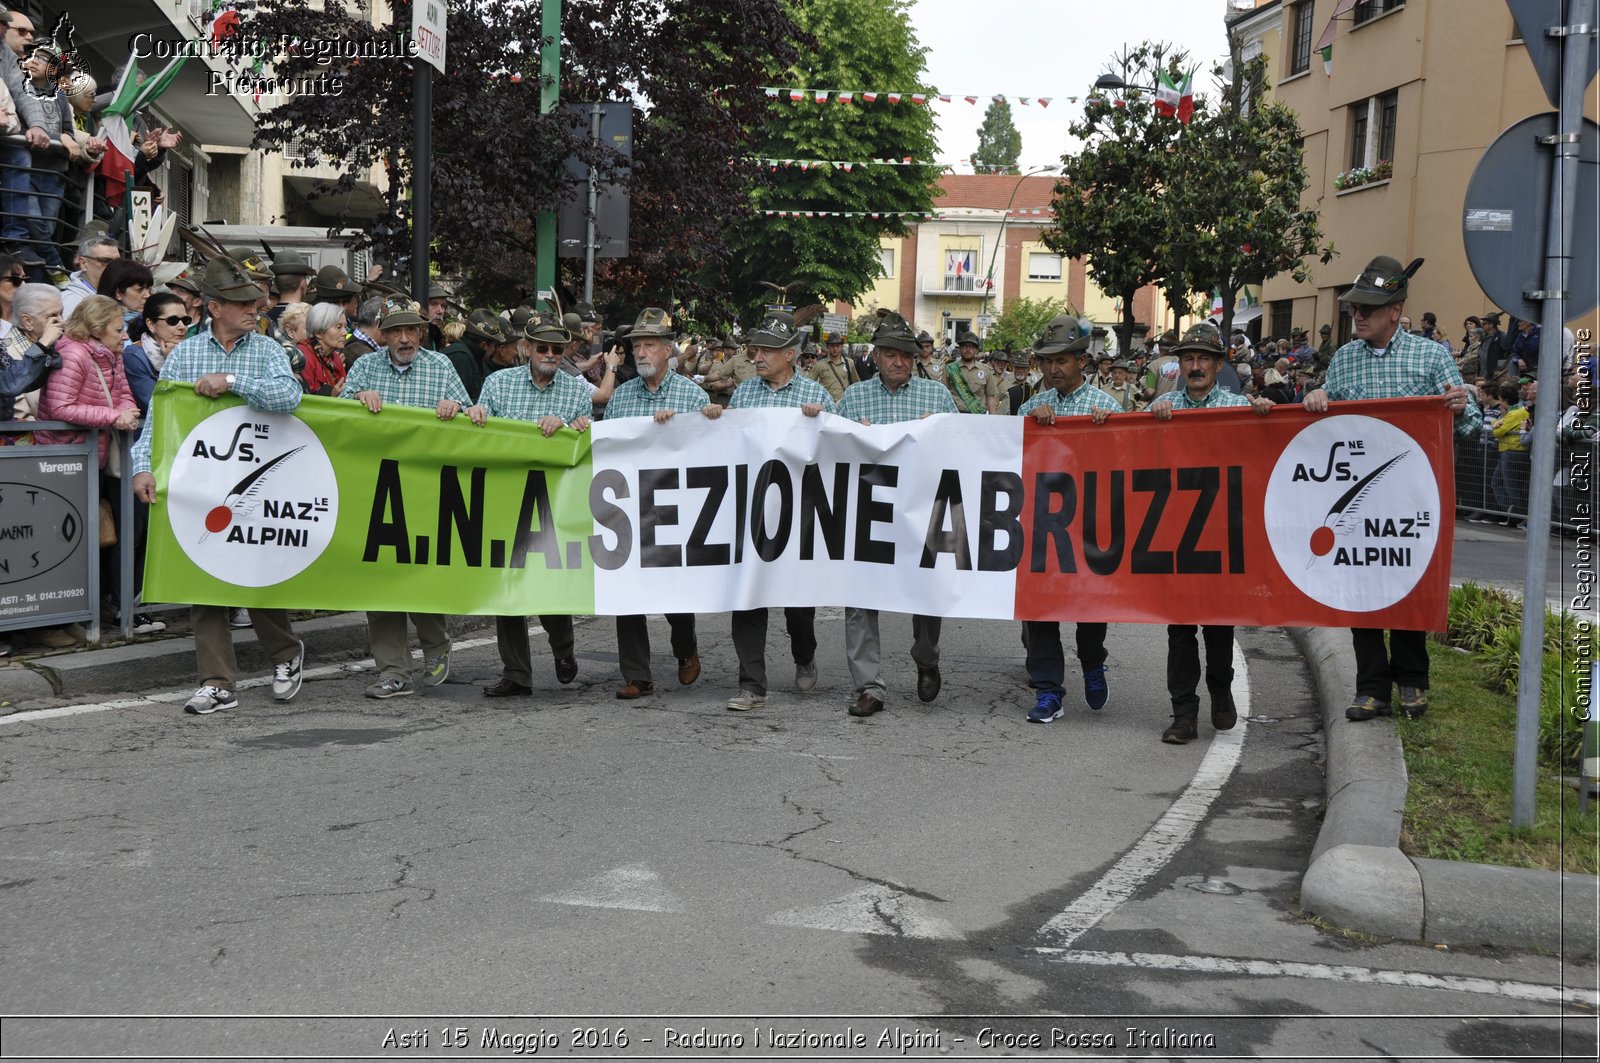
x,y
1300,52
886,261
961,270
1372,130
1367,10
1282,318
1043,266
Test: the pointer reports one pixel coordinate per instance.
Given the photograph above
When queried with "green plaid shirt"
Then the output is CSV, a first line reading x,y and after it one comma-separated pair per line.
x,y
757,394
512,393
1078,404
263,377
874,403
1411,366
1217,398
429,379
677,393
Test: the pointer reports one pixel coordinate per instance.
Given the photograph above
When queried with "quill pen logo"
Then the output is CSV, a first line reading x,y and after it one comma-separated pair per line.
x,y
1352,511
252,497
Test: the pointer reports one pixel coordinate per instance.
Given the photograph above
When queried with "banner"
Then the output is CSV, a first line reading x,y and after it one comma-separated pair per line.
x,y
1216,517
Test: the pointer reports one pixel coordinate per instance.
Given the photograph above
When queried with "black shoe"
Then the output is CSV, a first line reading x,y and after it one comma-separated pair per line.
x,y
1365,708
566,669
1182,732
507,688
1224,714
866,705
928,682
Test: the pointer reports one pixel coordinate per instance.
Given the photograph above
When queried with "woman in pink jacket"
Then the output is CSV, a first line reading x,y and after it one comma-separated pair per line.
x,y
91,389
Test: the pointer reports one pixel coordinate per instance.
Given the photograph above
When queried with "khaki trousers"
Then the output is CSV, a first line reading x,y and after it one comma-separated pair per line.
x,y
213,641
387,634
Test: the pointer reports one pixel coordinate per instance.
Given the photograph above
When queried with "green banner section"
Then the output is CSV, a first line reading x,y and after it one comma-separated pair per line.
x,y
334,507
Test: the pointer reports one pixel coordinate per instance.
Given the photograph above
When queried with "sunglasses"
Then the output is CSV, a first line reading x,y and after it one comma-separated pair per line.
x,y
105,261
177,319
17,279
546,348
1357,310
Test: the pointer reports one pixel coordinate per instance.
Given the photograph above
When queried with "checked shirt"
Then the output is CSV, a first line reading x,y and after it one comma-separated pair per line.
x,y
757,394
512,393
1078,404
263,377
1411,366
1217,398
677,393
429,379
874,403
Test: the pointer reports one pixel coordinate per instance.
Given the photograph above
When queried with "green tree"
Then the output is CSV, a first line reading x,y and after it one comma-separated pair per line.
x,y
1110,204
999,143
861,44
1023,321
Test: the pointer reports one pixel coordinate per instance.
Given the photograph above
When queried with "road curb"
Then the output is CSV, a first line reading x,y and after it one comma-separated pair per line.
x,y
1359,879
328,639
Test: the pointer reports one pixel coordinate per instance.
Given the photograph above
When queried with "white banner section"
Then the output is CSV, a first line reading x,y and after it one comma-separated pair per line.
x,y
770,507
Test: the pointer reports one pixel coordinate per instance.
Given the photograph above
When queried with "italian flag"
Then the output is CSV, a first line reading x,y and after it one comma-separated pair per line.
x,y
1174,100
132,93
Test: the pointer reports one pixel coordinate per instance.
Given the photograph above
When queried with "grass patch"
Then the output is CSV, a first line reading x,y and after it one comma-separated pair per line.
x,y
1458,756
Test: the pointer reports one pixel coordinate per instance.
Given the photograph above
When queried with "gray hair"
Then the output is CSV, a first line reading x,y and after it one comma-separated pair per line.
x,y
87,245
33,300
323,316
369,312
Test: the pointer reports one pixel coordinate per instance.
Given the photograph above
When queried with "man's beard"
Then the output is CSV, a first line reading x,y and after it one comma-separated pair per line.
x,y
647,370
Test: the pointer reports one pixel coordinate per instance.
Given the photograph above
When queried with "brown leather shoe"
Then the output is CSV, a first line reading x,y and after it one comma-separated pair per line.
x,y
507,688
688,669
566,669
866,705
928,682
635,688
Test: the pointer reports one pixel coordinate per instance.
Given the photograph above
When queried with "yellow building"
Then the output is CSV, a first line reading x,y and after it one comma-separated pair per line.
x,y
1423,85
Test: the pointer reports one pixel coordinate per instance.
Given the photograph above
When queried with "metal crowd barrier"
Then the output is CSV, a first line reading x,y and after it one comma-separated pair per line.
x,y
77,179
25,557
1493,484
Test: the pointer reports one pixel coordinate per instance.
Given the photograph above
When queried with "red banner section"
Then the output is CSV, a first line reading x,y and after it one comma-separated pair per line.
x,y
1344,519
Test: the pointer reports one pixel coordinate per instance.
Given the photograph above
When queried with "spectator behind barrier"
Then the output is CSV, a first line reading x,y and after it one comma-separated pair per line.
x,y
48,179
95,253
29,351
128,283
13,275
162,327
91,387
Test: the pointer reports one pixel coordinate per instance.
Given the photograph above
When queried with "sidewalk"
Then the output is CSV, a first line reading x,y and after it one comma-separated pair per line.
x,y
36,681
1360,880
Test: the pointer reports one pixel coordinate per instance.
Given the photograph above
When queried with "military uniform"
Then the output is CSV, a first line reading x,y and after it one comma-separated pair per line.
x,y
975,386
834,376
737,368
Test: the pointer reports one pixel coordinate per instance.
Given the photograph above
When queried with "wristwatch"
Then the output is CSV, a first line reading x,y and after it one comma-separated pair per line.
x,y
229,378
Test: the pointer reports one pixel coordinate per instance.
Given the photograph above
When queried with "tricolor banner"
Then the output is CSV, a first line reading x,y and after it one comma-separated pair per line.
x,y
1216,517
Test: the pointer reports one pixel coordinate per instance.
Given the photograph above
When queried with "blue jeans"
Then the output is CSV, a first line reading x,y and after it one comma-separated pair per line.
x,y
16,199
47,188
1510,481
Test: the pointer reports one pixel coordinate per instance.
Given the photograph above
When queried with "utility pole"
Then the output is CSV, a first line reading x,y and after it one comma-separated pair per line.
x,y
544,271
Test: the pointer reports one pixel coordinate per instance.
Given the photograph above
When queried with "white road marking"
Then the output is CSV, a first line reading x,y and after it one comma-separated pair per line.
x,y
1151,853
179,696
874,910
1544,994
633,886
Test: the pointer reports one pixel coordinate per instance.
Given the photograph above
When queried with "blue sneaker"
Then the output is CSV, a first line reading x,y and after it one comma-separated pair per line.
x,y
1046,709
1096,691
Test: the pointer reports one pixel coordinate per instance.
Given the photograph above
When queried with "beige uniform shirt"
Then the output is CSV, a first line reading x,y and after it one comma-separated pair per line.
x,y
738,369
834,376
984,382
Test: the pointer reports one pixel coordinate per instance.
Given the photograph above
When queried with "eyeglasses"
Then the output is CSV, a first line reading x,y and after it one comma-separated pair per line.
x,y
17,279
19,31
177,319
105,261
546,348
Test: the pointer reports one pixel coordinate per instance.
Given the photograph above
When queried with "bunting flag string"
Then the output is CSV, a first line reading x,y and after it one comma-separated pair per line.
x,y
839,164
934,215
922,99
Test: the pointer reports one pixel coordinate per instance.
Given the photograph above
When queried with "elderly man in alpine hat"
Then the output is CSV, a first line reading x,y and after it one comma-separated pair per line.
x,y
1200,357
1386,362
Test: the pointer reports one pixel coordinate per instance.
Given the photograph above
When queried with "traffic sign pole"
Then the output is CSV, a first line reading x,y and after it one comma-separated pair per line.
x,y
428,36
544,267
1574,31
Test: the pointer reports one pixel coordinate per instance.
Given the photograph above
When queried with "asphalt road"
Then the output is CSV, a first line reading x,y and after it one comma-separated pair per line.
x,y
350,872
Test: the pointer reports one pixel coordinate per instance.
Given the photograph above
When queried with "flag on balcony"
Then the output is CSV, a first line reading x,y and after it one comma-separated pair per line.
x,y
133,92
1173,99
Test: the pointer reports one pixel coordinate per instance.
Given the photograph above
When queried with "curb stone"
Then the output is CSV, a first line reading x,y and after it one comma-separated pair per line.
x,y
1359,879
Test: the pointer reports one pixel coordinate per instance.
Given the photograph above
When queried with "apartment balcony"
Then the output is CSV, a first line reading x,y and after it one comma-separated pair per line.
x,y
968,285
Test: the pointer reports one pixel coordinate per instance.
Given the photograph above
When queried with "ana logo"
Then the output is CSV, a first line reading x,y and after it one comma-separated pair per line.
x,y
1352,513
252,498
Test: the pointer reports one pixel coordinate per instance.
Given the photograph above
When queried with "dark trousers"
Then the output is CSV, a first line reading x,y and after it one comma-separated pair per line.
x,y
750,643
1047,665
1379,669
1183,666
633,643
516,657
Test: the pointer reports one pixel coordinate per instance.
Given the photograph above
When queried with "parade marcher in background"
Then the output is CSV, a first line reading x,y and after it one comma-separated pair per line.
x,y
230,356
975,387
835,372
1324,355
773,348
1062,352
438,307
551,399
728,374
1161,373
404,373
894,395
1200,355
661,395
930,364
363,324
1384,363
293,275
1024,384
333,285
468,353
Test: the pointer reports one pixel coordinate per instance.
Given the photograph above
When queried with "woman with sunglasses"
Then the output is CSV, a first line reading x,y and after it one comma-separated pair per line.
x,y
162,327
13,275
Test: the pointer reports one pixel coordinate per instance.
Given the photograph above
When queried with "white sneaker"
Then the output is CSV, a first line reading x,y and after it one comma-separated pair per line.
x,y
209,699
286,676
805,676
746,700
239,618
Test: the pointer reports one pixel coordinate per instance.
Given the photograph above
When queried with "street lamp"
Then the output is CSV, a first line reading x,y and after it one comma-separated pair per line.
x,y
988,279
